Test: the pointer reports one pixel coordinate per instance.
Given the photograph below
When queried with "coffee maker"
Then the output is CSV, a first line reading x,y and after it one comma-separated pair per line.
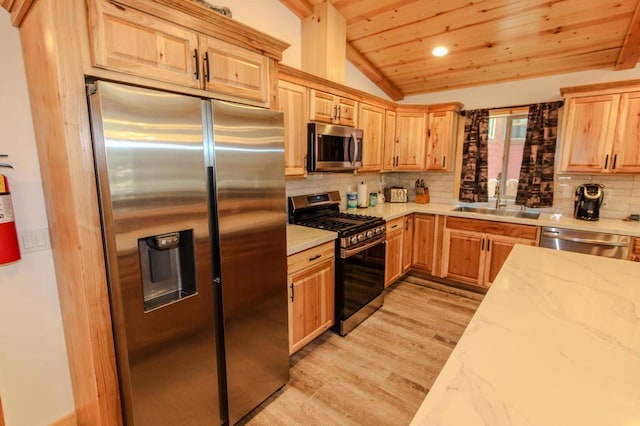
x,y
588,200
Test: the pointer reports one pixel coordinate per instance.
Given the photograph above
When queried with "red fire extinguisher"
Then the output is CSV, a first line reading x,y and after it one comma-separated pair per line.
x,y
9,247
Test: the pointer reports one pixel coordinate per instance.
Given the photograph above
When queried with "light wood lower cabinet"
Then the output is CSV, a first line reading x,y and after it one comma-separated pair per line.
x,y
407,242
475,250
423,239
393,256
634,252
311,294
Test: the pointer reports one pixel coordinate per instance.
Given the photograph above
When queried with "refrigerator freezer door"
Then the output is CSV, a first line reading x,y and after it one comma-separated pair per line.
x,y
154,202
249,173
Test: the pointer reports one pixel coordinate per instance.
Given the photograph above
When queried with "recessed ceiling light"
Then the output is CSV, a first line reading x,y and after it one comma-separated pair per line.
x,y
440,51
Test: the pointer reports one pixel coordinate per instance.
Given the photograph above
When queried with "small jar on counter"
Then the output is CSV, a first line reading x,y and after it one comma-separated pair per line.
x,y
373,199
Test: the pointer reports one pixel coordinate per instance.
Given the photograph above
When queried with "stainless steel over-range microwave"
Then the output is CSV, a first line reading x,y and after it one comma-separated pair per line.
x,y
333,148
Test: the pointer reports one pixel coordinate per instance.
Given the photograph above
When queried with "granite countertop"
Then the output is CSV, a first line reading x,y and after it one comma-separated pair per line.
x,y
556,341
301,238
393,210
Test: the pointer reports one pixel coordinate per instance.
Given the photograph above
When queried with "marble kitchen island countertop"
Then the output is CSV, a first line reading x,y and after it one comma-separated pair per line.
x,y
556,341
302,237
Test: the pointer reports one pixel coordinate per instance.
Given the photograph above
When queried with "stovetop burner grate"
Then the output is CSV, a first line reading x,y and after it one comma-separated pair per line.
x,y
339,221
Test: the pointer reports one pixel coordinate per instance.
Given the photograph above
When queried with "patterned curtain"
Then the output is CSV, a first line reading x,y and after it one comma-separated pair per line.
x,y
475,156
535,186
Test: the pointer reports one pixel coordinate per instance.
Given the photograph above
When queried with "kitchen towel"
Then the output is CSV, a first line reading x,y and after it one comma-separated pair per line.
x,y
363,195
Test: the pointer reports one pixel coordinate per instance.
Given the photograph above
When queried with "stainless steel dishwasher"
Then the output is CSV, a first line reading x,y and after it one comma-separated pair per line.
x,y
597,243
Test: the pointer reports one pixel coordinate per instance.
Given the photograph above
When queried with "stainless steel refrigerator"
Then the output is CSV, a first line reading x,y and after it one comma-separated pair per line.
x,y
192,197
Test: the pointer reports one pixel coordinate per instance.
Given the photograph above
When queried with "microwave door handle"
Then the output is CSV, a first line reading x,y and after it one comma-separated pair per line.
x,y
355,142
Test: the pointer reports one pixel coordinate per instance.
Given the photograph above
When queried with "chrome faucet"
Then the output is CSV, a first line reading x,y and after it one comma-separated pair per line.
x,y
499,202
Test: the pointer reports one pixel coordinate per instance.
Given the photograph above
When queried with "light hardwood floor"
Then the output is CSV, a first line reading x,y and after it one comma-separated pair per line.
x,y
380,372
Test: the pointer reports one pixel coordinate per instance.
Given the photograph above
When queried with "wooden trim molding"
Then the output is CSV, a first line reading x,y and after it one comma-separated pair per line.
x,y
69,420
304,9
630,51
17,8
55,47
367,68
614,86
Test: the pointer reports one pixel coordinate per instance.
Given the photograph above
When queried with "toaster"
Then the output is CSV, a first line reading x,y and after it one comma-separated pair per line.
x,y
396,194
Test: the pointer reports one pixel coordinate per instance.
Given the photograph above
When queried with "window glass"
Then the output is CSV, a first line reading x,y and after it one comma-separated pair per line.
x,y
506,144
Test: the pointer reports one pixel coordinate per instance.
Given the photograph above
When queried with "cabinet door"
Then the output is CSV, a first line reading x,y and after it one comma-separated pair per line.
x,y
440,136
294,102
311,304
407,242
626,149
464,255
347,110
498,249
371,119
322,107
423,235
393,259
132,42
390,141
234,71
411,133
589,132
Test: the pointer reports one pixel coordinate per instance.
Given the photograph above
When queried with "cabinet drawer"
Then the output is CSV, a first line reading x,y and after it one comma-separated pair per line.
x,y
395,225
310,257
496,228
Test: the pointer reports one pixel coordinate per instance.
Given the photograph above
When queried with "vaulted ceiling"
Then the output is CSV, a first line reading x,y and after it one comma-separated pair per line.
x,y
489,41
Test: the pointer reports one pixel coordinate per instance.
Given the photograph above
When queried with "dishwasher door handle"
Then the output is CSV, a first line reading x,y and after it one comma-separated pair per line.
x,y
557,236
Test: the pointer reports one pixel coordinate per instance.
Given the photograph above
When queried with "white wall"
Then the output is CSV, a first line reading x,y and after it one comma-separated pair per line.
x,y
34,376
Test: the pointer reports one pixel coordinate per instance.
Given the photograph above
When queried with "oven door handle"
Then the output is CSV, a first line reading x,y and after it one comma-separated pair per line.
x,y
350,252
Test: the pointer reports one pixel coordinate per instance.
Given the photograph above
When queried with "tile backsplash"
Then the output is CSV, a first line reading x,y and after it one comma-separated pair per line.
x,y
622,192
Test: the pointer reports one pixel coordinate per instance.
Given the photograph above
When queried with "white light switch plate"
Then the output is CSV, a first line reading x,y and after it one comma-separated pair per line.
x,y
32,240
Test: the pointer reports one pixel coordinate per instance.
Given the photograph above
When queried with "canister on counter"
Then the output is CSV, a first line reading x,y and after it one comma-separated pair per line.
x,y
373,199
352,200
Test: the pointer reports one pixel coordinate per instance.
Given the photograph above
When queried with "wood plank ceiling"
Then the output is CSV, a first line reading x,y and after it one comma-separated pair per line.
x,y
489,41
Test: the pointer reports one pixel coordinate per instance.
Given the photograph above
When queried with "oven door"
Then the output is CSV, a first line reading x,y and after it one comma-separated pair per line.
x,y
334,148
360,283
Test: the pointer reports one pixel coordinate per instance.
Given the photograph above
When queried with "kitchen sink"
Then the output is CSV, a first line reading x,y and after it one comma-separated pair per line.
x,y
499,212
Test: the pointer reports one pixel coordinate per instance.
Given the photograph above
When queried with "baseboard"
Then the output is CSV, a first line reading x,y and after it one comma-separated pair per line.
x,y
68,420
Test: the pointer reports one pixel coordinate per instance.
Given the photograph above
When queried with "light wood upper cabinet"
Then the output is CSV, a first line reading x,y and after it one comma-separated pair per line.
x,y
601,133
311,294
588,133
475,250
441,136
371,120
626,143
411,137
329,108
294,103
133,42
389,157
423,242
233,70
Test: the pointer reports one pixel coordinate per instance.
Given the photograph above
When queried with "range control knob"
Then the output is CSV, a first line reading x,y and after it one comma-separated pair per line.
x,y
361,236
369,233
378,230
353,239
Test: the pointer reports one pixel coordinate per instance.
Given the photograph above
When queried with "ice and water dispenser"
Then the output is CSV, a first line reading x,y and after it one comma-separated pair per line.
x,y
168,268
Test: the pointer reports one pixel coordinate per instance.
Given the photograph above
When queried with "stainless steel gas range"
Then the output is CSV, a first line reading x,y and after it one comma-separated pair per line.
x,y
360,249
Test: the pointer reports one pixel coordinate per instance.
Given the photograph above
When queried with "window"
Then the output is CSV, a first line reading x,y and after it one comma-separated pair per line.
x,y
506,143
